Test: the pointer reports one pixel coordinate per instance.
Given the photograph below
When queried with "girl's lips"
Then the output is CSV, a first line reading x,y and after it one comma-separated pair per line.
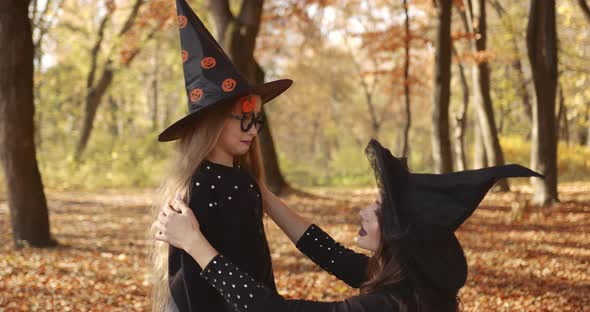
x,y
247,142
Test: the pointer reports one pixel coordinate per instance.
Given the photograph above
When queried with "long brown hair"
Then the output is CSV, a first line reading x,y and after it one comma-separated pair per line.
x,y
385,269
197,142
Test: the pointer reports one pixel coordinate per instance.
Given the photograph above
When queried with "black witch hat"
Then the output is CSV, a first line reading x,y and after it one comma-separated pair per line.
x,y
210,76
420,212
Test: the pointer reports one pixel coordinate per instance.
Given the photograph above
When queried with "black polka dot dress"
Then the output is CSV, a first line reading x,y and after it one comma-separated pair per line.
x,y
245,293
228,204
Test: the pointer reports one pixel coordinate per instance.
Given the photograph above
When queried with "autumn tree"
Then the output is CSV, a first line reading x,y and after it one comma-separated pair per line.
x,y
542,51
26,198
130,38
441,139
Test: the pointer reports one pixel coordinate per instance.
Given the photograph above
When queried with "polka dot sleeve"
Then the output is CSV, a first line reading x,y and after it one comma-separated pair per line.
x,y
242,292
344,263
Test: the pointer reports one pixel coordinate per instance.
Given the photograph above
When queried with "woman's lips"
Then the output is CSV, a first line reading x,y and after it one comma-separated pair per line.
x,y
247,142
362,231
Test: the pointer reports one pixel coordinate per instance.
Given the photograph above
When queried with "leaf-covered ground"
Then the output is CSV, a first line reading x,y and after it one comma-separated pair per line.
x,y
538,263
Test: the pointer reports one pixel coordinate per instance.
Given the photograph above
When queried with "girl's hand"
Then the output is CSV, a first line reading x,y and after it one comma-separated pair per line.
x,y
177,225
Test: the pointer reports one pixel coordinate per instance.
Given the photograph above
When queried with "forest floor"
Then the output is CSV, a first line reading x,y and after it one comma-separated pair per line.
x,y
538,262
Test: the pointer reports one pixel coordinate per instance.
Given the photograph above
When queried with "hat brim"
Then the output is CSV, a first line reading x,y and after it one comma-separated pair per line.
x,y
267,92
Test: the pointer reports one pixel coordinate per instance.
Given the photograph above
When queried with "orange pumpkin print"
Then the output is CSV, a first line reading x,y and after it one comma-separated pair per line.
x,y
248,104
196,94
208,62
184,56
182,20
228,85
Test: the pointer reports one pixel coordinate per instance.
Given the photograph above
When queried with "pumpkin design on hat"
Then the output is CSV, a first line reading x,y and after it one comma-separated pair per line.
x,y
196,94
208,62
182,20
228,85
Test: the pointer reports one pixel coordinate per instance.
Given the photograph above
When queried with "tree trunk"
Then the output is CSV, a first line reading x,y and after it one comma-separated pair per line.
x,y
517,63
542,50
585,9
28,207
441,141
93,100
482,99
408,123
479,154
563,127
237,34
96,90
461,122
155,87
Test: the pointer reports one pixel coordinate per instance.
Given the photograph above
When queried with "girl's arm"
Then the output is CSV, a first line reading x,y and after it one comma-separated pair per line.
x,y
290,222
316,244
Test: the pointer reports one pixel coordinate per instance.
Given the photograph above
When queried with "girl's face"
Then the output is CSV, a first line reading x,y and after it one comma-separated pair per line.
x,y
234,141
369,234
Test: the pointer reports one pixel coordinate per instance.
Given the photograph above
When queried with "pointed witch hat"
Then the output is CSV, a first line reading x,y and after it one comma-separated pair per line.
x,y
421,212
210,76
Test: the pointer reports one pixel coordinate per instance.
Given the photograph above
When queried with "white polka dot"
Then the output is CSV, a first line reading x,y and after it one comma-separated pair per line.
x,y
219,177
197,184
208,167
233,285
212,186
245,286
251,296
251,185
229,197
210,204
238,296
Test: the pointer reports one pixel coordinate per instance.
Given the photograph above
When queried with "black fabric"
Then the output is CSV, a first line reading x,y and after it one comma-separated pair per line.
x,y
227,202
344,263
242,292
421,212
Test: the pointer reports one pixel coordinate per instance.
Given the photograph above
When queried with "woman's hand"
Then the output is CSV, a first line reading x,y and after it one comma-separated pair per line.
x,y
177,225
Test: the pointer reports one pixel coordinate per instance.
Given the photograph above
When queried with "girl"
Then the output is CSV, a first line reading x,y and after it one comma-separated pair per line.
x,y
417,262
218,157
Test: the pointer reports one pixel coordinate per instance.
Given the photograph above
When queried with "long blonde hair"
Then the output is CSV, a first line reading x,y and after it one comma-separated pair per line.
x,y
197,141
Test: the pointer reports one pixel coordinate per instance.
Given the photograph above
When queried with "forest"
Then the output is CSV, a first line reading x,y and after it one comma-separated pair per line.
x,y
87,86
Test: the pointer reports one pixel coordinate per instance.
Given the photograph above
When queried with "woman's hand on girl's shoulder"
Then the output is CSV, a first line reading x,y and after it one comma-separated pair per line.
x,y
176,223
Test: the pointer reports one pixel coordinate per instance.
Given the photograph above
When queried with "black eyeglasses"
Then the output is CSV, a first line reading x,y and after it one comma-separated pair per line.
x,y
248,120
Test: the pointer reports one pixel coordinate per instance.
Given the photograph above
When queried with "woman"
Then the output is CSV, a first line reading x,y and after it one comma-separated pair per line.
x,y
217,156
417,263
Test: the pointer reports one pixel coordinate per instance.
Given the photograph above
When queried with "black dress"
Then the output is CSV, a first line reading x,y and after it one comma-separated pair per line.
x,y
246,294
228,204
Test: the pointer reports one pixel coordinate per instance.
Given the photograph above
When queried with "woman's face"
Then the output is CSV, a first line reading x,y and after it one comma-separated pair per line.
x,y
369,234
234,141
